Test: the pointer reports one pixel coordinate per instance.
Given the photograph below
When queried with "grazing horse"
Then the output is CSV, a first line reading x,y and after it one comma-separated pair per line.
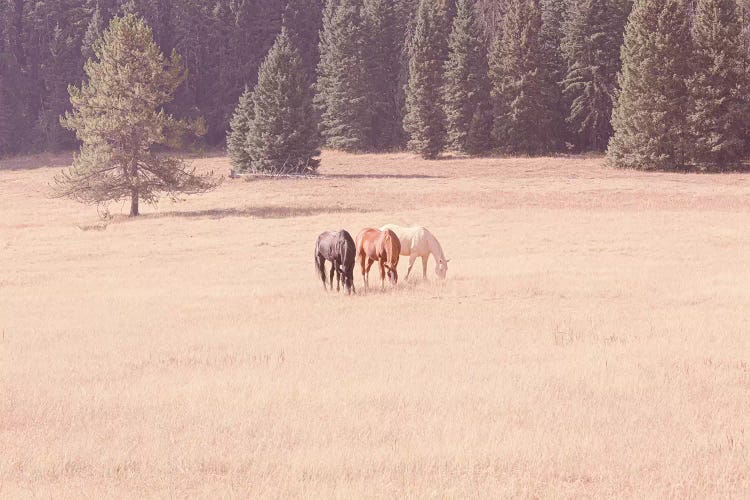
x,y
339,248
419,242
381,246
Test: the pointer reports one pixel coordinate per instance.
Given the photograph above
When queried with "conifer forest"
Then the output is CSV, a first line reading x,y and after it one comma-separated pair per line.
x,y
657,84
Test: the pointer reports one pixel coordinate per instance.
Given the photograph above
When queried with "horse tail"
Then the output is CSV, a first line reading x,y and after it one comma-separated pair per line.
x,y
320,262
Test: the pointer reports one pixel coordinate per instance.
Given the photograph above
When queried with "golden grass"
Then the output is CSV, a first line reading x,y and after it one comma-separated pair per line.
x,y
592,339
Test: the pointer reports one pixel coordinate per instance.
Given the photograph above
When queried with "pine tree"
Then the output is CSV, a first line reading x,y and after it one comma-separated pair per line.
x,y
6,118
383,59
118,117
719,87
521,86
650,118
303,20
239,128
405,12
551,35
491,15
93,33
466,90
428,51
591,46
343,93
283,134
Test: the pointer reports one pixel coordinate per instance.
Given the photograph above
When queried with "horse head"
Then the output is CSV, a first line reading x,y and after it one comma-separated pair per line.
x,y
392,275
441,267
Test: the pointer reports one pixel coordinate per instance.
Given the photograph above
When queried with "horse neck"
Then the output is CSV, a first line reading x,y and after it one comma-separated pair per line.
x,y
434,245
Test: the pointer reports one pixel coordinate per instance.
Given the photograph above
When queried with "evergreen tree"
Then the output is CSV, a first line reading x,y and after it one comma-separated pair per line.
x,y
6,117
650,118
343,93
521,86
428,51
383,59
552,34
466,90
491,14
591,46
93,32
283,134
239,128
405,12
118,117
719,87
303,20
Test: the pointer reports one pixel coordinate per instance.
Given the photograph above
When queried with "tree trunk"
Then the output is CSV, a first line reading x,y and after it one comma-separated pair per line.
x,y
134,203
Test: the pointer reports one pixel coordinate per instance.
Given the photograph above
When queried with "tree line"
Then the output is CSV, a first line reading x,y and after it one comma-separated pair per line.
x,y
660,84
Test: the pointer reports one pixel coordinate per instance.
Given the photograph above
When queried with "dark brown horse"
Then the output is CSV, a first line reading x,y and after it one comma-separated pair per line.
x,y
337,247
381,246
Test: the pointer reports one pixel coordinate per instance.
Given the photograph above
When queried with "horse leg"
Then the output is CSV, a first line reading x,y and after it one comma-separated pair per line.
x,y
338,278
370,262
412,259
333,268
424,266
381,262
362,266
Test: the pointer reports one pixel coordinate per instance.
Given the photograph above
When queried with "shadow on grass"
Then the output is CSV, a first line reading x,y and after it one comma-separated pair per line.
x,y
257,212
33,162
380,176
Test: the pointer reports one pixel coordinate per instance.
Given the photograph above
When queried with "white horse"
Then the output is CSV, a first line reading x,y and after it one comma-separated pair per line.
x,y
419,242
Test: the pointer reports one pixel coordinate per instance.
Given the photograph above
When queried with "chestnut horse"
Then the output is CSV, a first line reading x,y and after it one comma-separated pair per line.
x,y
340,250
381,246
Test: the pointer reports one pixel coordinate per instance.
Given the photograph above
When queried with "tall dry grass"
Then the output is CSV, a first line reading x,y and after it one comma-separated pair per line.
x,y
591,340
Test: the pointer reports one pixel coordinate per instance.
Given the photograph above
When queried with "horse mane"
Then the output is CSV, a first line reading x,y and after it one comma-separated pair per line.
x,y
434,244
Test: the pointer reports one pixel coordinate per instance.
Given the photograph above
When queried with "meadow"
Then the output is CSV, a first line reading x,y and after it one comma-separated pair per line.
x,y
592,339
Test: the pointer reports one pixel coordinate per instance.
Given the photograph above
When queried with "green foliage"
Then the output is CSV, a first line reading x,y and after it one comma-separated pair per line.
x,y
525,118
343,92
303,20
591,46
719,86
552,33
428,51
283,130
466,90
239,128
118,116
650,118
383,62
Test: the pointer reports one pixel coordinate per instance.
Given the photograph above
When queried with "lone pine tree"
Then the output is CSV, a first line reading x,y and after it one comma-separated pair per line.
x,y
282,135
118,116
466,92
650,117
719,86
424,121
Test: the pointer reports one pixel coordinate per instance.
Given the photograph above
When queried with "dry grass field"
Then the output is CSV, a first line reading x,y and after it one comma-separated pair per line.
x,y
592,339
